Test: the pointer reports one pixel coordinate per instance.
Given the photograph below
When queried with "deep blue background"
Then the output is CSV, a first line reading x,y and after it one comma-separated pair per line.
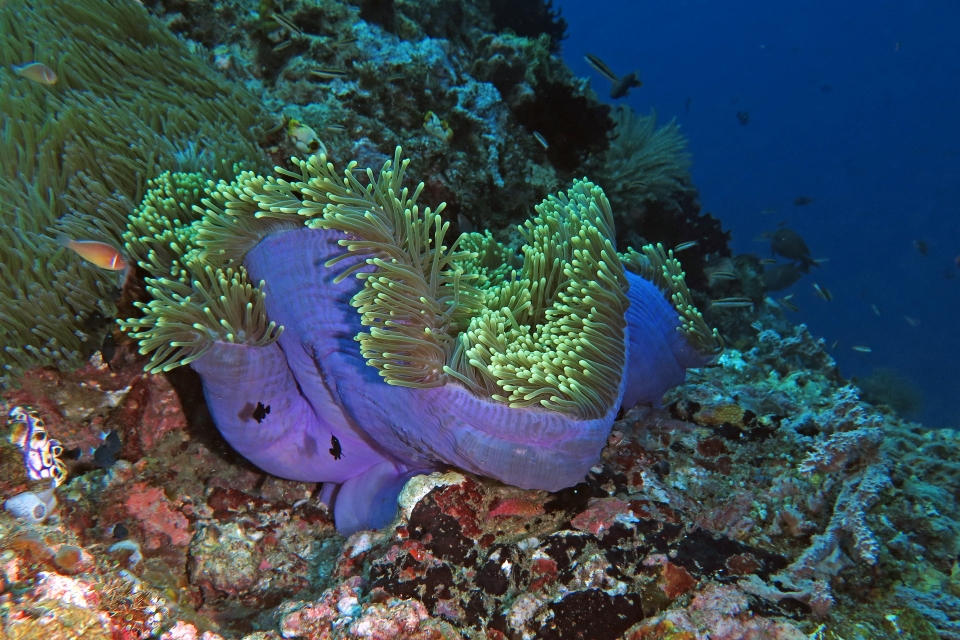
x,y
854,105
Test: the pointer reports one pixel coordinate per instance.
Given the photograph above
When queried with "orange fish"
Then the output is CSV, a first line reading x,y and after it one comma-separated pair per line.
x,y
36,71
101,254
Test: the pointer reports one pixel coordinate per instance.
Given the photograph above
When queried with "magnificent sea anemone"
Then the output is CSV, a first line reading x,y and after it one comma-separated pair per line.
x,y
370,351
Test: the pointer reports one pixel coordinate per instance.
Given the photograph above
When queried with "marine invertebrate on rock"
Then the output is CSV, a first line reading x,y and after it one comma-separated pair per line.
x,y
506,366
31,506
41,454
129,97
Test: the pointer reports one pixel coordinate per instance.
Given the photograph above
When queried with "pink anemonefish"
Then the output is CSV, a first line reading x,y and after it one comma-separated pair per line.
x,y
36,71
100,254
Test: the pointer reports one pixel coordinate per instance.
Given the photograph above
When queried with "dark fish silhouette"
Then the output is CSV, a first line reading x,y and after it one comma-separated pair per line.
x,y
921,246
108,348
780,276
335,450
105,456
802,201
743,117
788,244
260,412
621,85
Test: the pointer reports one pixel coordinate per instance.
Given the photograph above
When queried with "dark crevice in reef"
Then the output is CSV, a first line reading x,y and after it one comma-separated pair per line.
x,y
189,389
672,227
379,12
575,127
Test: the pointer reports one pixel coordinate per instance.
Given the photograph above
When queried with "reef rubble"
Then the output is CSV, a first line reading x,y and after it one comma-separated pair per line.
x,y
763,500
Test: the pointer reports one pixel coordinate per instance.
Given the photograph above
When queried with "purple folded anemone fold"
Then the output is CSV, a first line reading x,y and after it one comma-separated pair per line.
x,y
342,338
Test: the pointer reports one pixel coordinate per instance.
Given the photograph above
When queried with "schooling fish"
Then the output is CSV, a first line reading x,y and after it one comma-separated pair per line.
x,y
823,292
621,85
36,71
101,254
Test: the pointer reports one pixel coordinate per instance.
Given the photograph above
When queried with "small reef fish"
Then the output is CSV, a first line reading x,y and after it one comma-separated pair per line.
x,y
105,456
543,141
913,322
743,117
101,254
683,246
36,71
287,24
802,201
304,138
861,348
108,348
621,85
788,305
436,127
326,73
876,310
335,449
261,412
41,454
722,275
733,303
921,247
823,292
719,269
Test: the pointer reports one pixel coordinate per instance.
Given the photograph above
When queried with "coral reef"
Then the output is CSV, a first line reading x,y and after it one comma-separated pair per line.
x,y
762,499
129,98
365,87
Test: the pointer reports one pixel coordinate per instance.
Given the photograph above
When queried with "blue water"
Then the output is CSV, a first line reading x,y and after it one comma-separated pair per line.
x,y
855,105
